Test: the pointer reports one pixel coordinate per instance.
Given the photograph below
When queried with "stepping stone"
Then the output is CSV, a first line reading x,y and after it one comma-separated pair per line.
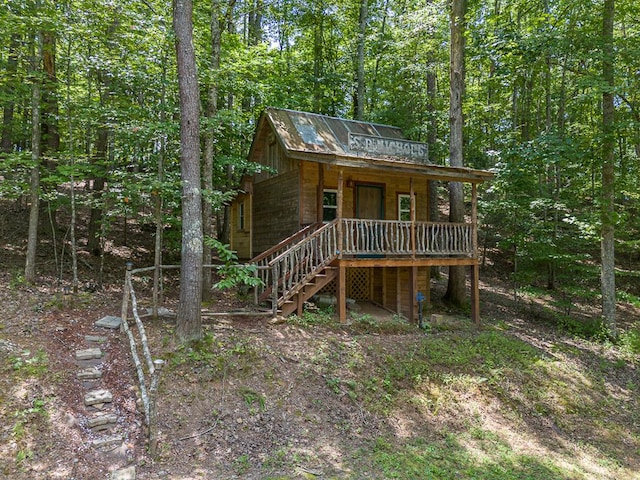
x,y
128,473
95,339
97,398
102,421
88,354
109,322
90,373
106,442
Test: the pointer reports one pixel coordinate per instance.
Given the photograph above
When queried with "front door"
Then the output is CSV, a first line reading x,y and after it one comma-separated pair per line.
x,y
370,202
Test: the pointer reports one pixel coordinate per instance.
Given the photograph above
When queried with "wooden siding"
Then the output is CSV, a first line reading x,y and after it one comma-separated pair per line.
x,y
275,210
393,185
240,237
391,282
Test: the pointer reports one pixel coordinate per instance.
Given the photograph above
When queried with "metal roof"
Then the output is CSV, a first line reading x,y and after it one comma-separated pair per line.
x,y
325,139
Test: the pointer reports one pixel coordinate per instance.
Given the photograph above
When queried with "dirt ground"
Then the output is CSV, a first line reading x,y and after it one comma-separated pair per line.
x,y
254,400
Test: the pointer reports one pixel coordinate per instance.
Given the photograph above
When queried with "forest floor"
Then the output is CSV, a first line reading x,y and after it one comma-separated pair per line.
x,y
535,393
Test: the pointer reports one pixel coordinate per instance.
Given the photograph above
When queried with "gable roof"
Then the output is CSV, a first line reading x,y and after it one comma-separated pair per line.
x,y
352,143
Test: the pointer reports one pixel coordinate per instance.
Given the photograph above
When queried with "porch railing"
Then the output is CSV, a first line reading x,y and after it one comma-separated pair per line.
x,y
393,237
288,268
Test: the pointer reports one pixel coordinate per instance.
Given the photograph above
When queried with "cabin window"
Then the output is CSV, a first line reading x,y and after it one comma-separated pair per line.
x,y
404,207
241,216
329,205
273,155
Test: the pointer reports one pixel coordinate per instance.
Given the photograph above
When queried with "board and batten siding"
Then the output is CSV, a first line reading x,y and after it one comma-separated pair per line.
x,y
275,210
393,185
240,229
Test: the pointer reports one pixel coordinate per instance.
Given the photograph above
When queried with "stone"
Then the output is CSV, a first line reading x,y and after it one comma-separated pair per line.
x,y
107,441
102,420
88,354
128,473
90,373
109,322
95,338
96,397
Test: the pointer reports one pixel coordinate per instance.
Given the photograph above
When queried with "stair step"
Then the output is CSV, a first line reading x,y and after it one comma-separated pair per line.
x,y
89,354
90,373
106,441
97,397
102,421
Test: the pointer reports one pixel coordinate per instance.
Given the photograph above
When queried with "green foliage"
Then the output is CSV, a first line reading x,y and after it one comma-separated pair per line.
x,y
27,365
231,273
313,318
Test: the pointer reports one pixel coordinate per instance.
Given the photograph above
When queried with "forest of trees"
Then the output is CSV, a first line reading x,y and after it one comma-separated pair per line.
x,y
89,95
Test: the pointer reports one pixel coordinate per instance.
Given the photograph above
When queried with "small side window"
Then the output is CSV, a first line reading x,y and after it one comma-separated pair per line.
x,y
241,216
329,205
404,207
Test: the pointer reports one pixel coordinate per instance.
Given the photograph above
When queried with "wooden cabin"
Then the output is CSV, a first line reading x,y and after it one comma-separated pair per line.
x,y
342,208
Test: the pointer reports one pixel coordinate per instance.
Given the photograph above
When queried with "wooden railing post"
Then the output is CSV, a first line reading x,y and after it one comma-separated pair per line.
x,y
274,291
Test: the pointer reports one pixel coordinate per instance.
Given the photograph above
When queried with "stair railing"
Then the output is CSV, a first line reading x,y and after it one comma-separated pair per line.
x,y
292,269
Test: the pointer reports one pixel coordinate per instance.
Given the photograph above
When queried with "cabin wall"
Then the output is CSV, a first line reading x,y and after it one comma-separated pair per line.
x,y
393,185
391,285
240,227
275,210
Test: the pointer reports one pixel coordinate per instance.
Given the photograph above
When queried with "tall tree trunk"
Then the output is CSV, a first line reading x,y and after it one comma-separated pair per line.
x,y
318,56
359,97
6,142
93,229
189,323
455,294
50,111
36,134
608,281
209,143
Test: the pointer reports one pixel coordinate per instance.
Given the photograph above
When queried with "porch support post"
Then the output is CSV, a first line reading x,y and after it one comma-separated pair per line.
x,y
339,211
413,289
475,293
474,218
398,292
342,293
320,199
412,213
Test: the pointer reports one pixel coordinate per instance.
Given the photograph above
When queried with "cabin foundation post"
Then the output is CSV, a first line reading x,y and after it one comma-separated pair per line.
x,y
342,293
475,293
413,290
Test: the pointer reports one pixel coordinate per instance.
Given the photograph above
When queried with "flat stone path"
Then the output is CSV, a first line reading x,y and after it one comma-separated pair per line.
x,y
99,401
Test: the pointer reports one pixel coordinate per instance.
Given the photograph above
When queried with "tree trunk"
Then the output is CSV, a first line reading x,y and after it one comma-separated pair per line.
x,y
36,136
456,287
209,144
608,282
189,323
359,97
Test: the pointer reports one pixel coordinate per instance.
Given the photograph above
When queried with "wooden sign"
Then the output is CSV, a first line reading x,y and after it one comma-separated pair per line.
x,y
391,147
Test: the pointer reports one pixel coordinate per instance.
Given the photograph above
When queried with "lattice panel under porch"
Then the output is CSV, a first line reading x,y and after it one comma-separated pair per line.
x,y
358,283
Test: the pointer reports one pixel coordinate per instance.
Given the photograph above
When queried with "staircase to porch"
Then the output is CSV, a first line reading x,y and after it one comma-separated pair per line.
x,y
297,268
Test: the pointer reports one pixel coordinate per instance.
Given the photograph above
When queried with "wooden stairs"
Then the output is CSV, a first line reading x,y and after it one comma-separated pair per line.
x,y
297,268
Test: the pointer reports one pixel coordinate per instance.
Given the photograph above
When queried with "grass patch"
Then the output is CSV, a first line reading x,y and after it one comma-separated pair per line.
x,y
448,458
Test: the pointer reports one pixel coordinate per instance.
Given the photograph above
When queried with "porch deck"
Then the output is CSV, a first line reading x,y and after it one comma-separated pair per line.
x,y
290,267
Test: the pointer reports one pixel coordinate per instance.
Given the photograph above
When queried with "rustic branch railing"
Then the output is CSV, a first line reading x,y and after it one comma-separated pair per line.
x,y
393,237
148,388
262,261
287,269
294,268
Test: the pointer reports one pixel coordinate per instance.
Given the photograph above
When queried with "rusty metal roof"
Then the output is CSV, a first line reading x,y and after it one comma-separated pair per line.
x,y
326,139
314,133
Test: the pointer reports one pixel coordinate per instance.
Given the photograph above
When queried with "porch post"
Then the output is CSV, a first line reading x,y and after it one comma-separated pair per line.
x,y
475,293
342,271
342,293
475,267
413,220
339,211
474,218
320,199
413,289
